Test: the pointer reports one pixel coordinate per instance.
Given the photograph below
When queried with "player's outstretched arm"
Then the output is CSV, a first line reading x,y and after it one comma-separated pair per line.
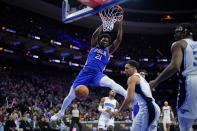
x,y
118,40
94,40
177,57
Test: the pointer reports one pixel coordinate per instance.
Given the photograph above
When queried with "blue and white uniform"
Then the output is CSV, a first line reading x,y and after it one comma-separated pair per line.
x,y
166,114
104,119
92,72
187,96
149,112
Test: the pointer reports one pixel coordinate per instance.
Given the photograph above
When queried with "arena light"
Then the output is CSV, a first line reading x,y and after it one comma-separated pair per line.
x,y
28,53
121,63
35,47
77,57
167,17
76,48
108,70
49,51
151,65
10,30
1,48
54,60
76,41
65,54
162,60
35,56
73,64
144,59
35,37
57,43
8,51
51,41
127,58
16,43
111,56
3,28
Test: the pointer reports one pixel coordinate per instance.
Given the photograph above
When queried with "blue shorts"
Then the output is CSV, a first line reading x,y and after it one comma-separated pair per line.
x,y
88,76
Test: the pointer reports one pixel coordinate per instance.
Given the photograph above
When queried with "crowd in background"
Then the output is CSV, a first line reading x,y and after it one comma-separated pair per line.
x,y
28,100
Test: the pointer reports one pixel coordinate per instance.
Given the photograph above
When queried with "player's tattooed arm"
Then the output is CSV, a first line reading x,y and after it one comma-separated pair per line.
x,y
94,39
118,40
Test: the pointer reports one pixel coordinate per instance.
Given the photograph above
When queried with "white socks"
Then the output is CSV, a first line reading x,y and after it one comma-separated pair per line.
x,y
107,82
71,96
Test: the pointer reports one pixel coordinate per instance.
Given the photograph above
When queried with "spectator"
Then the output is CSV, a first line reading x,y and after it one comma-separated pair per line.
x,y
24,124
10,124
35,123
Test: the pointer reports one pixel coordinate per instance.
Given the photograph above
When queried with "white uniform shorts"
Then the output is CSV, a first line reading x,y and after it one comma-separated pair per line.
x,y
166,120
146,119
187,97
105,122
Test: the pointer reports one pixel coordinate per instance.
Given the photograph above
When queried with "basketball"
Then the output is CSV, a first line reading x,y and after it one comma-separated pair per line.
x,y
81,91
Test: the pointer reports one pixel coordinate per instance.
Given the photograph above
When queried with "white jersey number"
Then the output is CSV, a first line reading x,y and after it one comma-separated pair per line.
x,y
195,58
98,56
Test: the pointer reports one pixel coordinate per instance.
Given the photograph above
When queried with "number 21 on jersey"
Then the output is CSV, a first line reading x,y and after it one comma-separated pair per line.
x,y
99,57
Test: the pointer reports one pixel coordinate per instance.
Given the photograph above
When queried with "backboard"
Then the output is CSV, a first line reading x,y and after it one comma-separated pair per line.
x,y
72,13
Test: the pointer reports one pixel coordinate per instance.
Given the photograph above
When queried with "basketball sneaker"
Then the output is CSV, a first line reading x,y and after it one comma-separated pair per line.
x,y
56,116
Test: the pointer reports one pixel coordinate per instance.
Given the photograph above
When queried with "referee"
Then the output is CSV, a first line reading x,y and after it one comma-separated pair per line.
x,y
75,115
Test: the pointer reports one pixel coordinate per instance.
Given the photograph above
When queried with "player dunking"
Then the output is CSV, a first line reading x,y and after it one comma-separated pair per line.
x,y
167,114
184,57
107,106
149,111
92,73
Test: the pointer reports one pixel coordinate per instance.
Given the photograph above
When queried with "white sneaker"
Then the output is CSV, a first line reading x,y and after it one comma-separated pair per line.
x,y
56,116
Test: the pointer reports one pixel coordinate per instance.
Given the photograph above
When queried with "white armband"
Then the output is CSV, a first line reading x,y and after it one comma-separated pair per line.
x,y
101,109
172,114
116,110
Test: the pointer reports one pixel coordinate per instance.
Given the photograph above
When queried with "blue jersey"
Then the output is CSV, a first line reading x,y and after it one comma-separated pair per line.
x,y
98,58
91,74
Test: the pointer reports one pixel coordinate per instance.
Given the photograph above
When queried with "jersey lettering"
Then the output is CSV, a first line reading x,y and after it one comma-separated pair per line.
x,y
110,105
195,57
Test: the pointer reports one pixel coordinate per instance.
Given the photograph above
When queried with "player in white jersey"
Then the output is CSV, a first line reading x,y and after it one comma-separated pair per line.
x,y
167,114
184,59
149,112
107,106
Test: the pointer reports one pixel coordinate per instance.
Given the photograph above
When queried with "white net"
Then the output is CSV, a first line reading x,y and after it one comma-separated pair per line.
x,y
109,17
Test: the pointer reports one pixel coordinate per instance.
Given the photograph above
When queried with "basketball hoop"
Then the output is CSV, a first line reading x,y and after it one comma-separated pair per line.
x,y
109,17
